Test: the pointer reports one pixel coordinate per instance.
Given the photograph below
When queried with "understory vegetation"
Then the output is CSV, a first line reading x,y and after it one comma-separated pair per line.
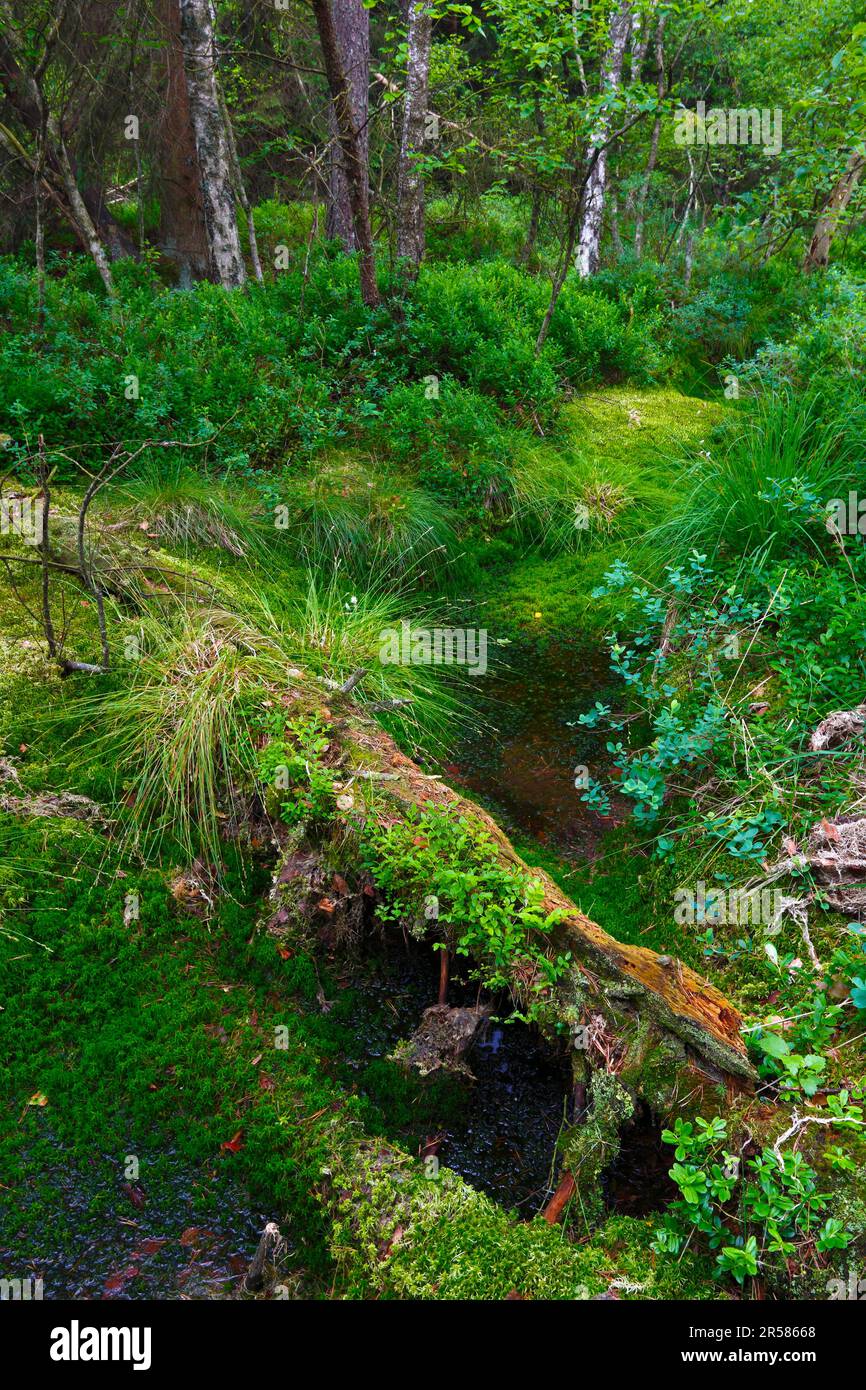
x,y
441,643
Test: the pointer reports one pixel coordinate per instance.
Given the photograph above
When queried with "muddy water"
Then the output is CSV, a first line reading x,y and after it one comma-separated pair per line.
x,y
524,766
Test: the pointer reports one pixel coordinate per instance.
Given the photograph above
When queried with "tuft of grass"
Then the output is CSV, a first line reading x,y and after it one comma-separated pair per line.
x,y
350,515
747,492
338,627
182,732
186,508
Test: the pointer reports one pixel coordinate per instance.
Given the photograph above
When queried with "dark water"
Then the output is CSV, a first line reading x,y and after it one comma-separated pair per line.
x,y
524,766
498,1131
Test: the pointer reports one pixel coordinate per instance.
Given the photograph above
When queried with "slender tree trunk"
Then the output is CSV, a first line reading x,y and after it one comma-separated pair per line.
x,y
86,226
351,23
589,242
528,249
818,254
410,183
211,142
354,152
614,224
240,188
182,233
654,138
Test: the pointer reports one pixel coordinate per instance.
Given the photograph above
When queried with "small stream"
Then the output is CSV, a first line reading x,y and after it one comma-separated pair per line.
x,y
524,766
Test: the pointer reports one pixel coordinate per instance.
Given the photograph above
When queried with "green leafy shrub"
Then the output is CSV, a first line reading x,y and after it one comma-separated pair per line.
x,y
494,912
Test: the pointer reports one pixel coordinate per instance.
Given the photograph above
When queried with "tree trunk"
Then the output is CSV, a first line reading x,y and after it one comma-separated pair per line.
x,y
211,142
818,254
654,138
50,164
183,234
589,242
410,183
240,188
353,147
84,222
351,24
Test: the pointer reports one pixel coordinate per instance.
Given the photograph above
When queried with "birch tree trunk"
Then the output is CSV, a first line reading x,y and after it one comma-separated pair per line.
x,y
410,183
211,142
589,241
351,23
818,254
354,149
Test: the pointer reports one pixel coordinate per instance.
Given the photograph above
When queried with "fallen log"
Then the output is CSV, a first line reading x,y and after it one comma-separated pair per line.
x,y
651,1021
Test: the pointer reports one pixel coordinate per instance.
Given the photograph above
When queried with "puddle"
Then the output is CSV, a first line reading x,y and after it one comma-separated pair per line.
x,y
638,1182
526,768
186,1235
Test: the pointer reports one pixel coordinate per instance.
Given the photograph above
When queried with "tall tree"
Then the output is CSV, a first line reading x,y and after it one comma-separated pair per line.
x,y
589,241
351,23
410,182
354,156
211,142
183,232
652,157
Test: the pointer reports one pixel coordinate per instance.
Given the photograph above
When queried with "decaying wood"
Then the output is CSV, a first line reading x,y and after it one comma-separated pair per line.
x,y
648,1006
266,1252
442,1040
555,1208
838,729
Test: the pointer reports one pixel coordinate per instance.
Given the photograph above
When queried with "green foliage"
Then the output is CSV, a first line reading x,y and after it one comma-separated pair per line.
x,y
757,1215
491,911
765,483
291,761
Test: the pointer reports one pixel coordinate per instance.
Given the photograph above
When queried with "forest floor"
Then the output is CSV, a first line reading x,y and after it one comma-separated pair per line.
x,y
156,1125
